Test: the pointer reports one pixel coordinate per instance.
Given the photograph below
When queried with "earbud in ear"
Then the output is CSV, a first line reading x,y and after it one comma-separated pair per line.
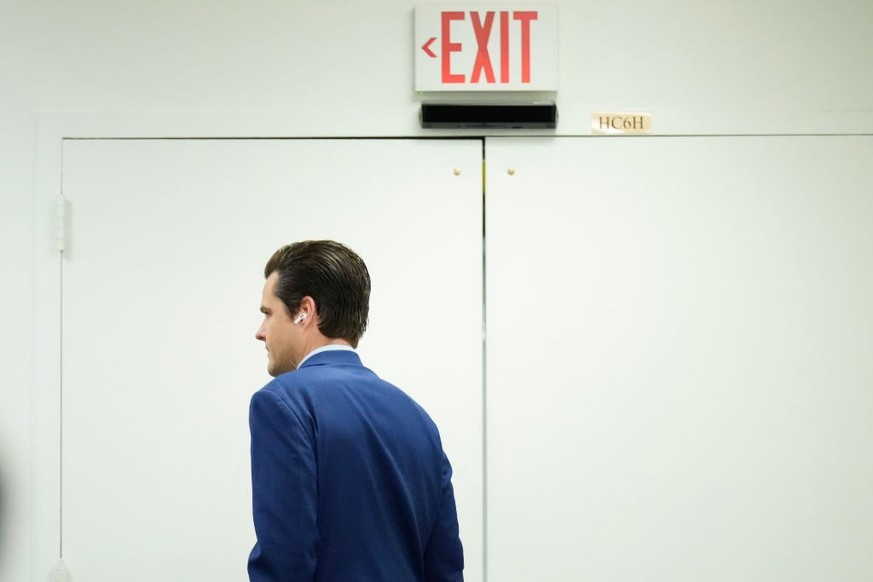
x,y
301,318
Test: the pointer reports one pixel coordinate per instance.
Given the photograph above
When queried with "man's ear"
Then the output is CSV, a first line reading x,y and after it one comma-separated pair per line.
x,y
306,311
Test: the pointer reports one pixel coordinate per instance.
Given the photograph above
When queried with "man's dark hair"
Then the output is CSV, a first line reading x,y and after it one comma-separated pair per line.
x,y
334,276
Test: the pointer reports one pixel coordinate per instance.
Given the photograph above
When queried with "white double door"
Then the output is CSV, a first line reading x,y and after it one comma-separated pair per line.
x,y
676,382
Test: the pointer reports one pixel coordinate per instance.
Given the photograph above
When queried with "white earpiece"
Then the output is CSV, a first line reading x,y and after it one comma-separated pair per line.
x,y
300,319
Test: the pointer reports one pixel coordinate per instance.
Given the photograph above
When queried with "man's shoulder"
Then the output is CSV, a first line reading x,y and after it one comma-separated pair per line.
x,y
287,385
299,385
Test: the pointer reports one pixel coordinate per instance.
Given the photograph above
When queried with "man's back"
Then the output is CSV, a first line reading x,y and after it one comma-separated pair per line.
x,y
350,481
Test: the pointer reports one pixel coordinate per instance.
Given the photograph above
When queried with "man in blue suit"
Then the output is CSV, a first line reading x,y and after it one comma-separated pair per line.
x,y
349,478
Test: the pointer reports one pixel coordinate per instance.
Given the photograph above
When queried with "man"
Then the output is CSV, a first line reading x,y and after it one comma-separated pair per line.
x,y
349,479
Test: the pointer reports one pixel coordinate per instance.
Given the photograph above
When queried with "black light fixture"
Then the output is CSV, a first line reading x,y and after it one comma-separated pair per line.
x,y
514,116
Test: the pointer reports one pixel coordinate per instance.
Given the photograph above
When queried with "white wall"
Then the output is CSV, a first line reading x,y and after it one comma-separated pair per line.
x,y
307,67
347,69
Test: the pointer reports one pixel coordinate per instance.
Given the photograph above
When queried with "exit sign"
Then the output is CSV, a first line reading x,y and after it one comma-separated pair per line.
x,y
490,47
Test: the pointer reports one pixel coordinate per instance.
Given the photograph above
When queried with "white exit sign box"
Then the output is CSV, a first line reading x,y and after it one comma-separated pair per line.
x,y
490,47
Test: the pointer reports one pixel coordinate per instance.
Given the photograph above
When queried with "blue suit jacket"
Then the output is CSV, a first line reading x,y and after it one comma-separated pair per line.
x,y
349,480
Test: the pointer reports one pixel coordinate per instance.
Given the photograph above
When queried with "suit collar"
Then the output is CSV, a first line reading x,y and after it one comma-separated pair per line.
x,y
334,356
